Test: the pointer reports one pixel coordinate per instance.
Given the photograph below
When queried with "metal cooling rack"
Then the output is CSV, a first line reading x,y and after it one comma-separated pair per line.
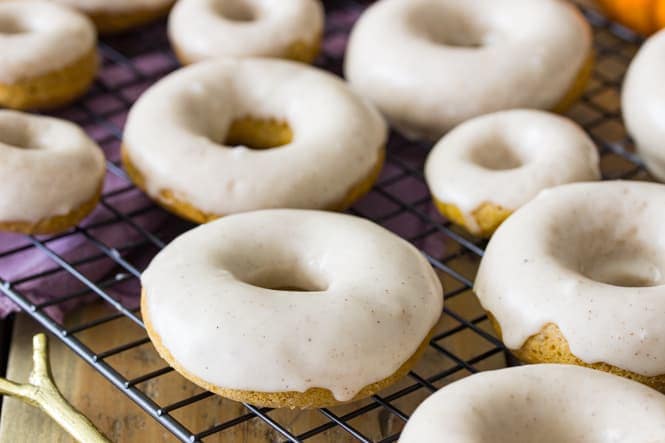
x,y
463,343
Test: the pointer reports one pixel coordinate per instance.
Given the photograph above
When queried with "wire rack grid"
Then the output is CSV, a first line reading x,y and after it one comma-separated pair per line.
x,y
463,342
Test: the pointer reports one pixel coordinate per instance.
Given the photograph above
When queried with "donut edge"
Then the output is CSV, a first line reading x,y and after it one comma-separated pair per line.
x,y
299,51
488,217
579,85
117,22
169,201
53,89
551,346
55,224
310,399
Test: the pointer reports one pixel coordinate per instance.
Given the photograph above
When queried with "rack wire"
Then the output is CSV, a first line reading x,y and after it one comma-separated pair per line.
x,y
463,342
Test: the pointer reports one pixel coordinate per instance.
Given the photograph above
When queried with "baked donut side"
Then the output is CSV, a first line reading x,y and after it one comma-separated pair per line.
x,y
311,398
577,276
204,29
117,16
56,223
578,86
550,346
168,199
53,174
46,63
482,222
54,89
271,145
488,167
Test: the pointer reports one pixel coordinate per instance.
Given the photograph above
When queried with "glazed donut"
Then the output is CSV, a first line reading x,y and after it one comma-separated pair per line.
x,y
112,16
644,103
486,168
289,310
431,64
49,54
202,29
186,139
539,403
52,174
578,276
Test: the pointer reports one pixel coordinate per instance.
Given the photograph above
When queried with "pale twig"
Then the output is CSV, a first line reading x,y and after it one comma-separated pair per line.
x,y
42,392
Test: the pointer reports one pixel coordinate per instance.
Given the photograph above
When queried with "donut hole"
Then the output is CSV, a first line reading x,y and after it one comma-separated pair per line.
x,y
12,26
522,421
287,278
236,10
609,247
257,133
496,155
624,266
18,139
447,26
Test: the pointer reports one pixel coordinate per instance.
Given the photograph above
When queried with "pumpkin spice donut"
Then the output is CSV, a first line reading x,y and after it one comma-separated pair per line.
x,y
486,168
283,309
112,16
539,403
202,29
429,65
49,54
643,103
577,276
52,174
234,135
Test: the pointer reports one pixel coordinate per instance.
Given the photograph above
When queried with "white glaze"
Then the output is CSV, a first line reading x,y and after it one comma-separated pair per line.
x,y
202,29
543,404
39,37
412,58
378,299
643,103
175,130
114,6
546,151
548,263
48,166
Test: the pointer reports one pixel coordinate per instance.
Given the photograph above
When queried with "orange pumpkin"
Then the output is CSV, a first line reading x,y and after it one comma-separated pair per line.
x,y
644,16
660,14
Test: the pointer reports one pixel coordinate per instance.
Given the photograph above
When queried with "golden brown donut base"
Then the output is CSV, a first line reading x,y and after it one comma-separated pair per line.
x,y
578,87
52,89
260,134
550,346
53,225
299,51
115,22
312,398
488,217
